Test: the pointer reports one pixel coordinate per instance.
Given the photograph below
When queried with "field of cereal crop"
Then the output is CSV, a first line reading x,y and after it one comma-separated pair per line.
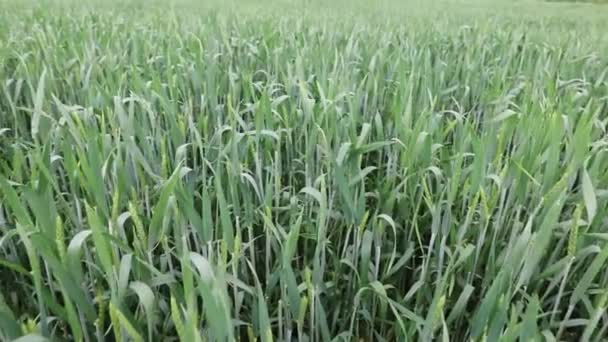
x,y
301,171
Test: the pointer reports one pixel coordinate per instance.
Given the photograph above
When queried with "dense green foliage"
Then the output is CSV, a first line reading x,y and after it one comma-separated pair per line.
x,y
303,173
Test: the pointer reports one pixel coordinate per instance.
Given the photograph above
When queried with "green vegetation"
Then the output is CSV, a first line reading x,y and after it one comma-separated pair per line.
x,y
300,172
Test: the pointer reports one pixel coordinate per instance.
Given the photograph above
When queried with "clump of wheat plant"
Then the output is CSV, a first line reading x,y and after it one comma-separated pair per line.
x,y
180,172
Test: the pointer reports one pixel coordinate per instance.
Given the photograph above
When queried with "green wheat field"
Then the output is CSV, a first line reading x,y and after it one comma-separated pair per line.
x,y
303,170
